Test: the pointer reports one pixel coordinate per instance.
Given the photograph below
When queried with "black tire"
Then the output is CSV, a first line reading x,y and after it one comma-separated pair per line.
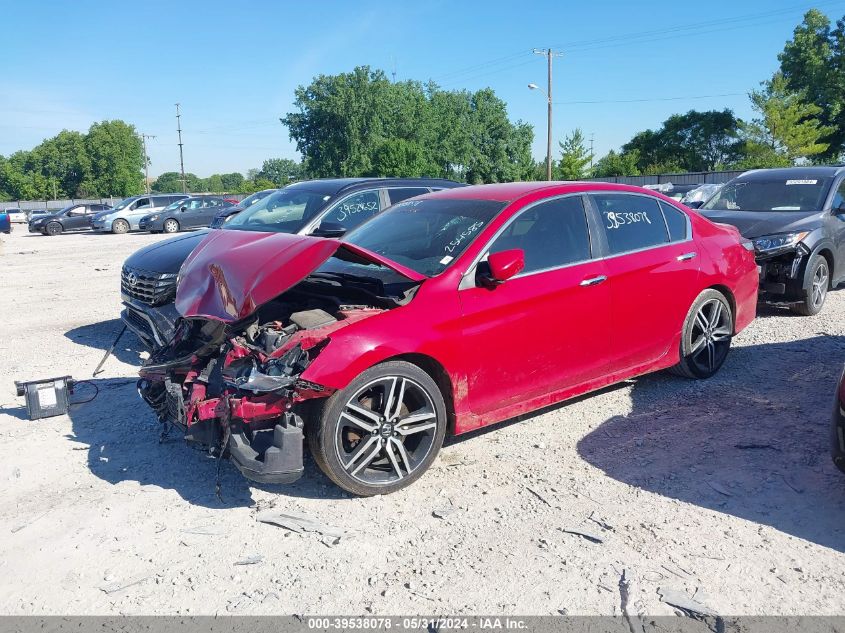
x,y
120,226
53,228
815,287
171,226
706,336
393,453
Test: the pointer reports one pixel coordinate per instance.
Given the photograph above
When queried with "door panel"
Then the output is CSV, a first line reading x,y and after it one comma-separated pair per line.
x,y
547,328
535,334
652,287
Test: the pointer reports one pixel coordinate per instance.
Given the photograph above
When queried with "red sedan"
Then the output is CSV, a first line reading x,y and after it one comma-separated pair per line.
x,y
445,313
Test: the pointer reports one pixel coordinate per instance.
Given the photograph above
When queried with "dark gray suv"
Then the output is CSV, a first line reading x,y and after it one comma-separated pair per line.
x,y
796,219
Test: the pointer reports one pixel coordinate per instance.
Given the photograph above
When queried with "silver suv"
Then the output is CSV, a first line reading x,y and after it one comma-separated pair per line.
x,y
125,216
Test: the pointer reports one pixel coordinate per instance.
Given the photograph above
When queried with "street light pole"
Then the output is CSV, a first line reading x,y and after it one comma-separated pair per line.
x,y
549,54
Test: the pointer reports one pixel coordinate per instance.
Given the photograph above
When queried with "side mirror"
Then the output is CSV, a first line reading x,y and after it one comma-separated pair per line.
x,y
503,265
329,229
840,210
183,209
694,204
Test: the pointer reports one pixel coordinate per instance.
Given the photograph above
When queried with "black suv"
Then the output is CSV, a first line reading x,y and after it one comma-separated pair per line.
x,y
796,219
325,208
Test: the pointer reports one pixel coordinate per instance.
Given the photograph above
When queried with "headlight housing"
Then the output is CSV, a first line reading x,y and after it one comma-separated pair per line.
x,y
781,242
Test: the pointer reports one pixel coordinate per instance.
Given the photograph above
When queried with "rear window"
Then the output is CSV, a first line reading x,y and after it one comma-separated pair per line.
x,y
781,194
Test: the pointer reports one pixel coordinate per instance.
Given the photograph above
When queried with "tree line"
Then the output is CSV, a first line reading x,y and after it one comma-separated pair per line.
x,y
799,118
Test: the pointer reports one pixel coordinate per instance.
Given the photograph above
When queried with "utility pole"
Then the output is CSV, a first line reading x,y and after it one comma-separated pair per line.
x,y
144,138
549,54
592,139
181,159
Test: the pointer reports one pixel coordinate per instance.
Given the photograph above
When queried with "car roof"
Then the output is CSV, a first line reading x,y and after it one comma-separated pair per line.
x,y
510,191
818,171
336,185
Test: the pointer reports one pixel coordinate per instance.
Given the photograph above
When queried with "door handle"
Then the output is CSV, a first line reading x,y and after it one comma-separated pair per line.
x,y
594,281
686,257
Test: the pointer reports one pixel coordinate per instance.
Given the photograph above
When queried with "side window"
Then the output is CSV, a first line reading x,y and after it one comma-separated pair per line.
x,y
676,222
630,222
353,210
143,203
551,234
839,197
77,211
398,195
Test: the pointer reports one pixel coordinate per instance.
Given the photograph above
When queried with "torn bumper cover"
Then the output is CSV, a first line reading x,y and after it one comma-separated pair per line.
x,y
781,274
240,402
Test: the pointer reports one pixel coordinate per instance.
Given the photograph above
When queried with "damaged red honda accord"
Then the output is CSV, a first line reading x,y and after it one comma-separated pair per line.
x,y
442,314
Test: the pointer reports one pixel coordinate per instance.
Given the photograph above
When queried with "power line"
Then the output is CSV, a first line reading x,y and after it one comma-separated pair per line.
x,y
681,98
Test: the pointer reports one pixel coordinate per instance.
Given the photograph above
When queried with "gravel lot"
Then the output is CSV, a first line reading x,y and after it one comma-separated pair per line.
x,y
722,490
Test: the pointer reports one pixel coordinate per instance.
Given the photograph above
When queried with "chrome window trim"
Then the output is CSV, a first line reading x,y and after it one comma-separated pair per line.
x,y
470,272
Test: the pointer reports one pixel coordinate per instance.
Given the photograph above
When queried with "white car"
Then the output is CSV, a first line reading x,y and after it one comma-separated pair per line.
x,y
125,216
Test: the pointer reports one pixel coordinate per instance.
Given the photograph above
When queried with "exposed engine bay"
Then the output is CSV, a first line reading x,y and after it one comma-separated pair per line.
x,y
235,388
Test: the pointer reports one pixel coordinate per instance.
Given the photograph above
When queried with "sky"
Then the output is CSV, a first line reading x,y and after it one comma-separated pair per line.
x,y
625,66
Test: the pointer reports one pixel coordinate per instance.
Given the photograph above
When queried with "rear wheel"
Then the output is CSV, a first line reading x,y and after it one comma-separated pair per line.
x,y
171,226
816,283
382,432
120,226
706,336
53,228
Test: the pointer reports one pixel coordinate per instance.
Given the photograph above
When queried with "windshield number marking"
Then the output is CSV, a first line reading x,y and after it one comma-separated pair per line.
x,y
451,246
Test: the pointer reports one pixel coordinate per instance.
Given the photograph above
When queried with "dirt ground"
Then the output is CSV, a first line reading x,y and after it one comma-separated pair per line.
x,y
721,490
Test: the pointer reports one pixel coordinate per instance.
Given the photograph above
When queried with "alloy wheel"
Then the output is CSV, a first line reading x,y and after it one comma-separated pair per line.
x,y
171,226
711,335
386,430
818,290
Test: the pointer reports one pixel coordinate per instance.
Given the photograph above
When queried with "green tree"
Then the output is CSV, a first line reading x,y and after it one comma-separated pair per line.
x,y
813,64
117,162
788,126
232,181
617,164
575,158
695,141
280,171
168,182
359,123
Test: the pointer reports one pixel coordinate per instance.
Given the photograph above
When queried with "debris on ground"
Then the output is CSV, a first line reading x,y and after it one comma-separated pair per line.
x,y
299,523
590,536
680,600
252,559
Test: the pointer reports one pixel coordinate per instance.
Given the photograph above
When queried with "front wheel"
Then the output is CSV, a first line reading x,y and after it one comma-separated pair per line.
x,y
53,228
120,226
816,283
381,432
171,226
706,336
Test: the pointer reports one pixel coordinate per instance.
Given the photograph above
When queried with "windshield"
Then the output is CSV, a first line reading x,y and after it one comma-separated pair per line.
x,y
285,211
251,200
800,194
425,235
124,203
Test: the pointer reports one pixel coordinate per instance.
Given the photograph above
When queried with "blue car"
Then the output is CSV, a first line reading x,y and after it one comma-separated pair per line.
x,y
5,223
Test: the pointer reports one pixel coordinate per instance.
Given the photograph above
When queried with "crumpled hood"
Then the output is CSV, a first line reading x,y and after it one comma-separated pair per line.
x,y
232,273
759,223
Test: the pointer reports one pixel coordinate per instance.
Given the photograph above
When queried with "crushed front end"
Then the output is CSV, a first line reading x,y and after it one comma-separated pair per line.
x,y
781,261
236,389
